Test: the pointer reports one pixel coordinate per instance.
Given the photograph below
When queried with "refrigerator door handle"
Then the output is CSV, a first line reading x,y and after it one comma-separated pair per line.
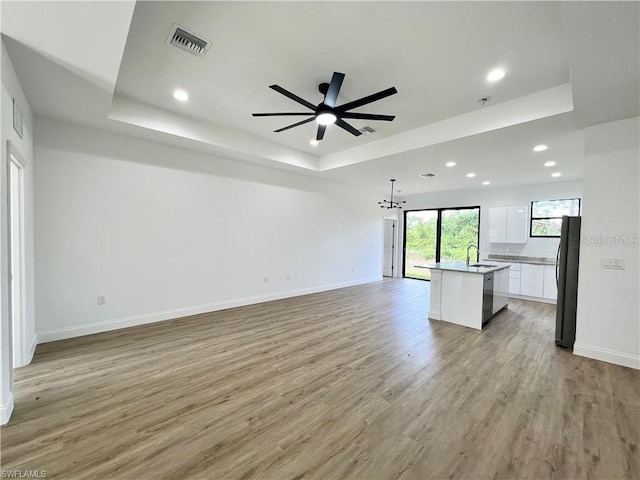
x,y
558,266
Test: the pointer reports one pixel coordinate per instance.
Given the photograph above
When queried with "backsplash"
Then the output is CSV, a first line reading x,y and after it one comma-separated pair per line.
x,y
523,259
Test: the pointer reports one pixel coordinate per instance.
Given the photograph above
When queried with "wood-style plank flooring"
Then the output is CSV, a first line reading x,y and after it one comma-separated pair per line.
x,y
352,383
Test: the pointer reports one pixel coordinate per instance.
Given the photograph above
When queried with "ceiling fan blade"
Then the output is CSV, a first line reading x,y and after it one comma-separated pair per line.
x,y
334,88
294,125
321,130
368,116
369,99
293,97
349,128
287,114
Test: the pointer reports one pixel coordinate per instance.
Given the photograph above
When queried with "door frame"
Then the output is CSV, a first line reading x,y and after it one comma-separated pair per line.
x,y
19,348
438,232
394,242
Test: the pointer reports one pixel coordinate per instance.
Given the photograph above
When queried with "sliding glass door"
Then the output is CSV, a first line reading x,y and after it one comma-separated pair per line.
x,y
421,239
460,228
438,235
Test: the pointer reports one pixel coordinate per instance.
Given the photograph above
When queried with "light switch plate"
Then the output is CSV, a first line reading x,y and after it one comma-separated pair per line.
x,y
614,263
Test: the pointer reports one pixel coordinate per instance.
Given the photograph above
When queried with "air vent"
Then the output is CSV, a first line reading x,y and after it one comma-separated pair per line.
x,y
427,175
180,38
366,130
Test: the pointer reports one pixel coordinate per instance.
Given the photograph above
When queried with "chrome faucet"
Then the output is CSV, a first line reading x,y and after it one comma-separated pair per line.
x,y
477,252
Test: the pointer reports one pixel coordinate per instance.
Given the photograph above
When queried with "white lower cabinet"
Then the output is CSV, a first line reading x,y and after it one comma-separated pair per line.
x,y
532,280
514,279
528,280
550,287
514,286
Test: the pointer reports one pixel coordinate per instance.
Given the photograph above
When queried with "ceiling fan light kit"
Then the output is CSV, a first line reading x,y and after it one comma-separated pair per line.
x,y
326,118
389,204
327,113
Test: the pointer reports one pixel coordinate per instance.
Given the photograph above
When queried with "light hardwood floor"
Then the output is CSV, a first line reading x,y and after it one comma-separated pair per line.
x,y
352,383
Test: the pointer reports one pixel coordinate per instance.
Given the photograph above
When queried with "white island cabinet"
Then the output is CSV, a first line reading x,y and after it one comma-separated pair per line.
x,y
467,295
500,289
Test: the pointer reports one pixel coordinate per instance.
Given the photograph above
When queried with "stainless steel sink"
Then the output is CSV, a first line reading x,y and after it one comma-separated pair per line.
x,y
482,265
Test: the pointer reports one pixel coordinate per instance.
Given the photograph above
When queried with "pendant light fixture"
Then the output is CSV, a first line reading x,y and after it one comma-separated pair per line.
x,y
389,204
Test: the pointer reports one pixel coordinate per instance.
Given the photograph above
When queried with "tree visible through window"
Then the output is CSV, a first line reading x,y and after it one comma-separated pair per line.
x,y
438,235
546,216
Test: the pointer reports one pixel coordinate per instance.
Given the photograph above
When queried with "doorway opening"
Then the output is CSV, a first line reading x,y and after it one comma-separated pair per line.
x,y
15,182
389,247
438,235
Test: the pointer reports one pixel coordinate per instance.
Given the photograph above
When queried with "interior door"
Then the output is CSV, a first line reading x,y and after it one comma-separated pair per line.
x,y
389,244
16,260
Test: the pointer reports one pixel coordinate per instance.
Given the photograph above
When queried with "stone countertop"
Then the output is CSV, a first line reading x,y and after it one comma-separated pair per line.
x,y
463,267
520,259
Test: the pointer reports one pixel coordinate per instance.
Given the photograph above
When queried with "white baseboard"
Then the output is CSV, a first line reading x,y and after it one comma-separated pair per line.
x,y
108,325
533,299
6,410
32,350
609,356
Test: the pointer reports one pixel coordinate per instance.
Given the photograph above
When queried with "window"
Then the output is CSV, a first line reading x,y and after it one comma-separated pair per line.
x,y
546,216
438,235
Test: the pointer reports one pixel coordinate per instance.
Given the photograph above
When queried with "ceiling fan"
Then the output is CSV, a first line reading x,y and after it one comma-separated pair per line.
x,y
327,112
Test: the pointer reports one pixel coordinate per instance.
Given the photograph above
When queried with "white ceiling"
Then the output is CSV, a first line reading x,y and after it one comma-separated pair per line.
x,y
583,55
435,54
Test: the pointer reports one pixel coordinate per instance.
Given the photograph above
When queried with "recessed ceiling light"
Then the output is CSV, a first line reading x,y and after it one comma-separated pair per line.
x,y
450,164
180,95
471,175
540,148
556,174
326,118
496,74
550,163
313,142
486,182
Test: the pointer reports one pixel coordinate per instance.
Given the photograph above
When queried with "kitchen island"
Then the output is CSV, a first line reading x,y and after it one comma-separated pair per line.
x,y
468,295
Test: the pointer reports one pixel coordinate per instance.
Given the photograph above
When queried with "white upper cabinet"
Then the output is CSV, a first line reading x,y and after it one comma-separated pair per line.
x,y
498,224
508,224
517,223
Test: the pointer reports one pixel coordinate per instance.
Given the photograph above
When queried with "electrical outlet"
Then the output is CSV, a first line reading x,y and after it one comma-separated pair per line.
x,y
102,299
288,277
613,263
266,279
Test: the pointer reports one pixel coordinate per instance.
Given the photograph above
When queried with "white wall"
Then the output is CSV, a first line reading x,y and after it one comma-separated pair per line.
x,y
500,197
163,232
11,89
608,323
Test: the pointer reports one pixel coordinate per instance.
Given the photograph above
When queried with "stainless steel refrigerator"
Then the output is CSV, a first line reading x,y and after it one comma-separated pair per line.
x,y
567,279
